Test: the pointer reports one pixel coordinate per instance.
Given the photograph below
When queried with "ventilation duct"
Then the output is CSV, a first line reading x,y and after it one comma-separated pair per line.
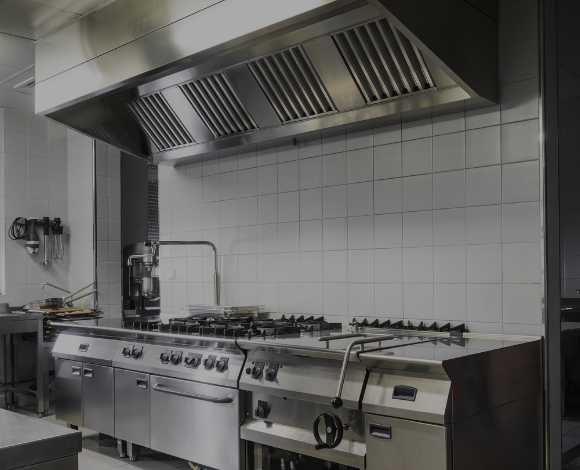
x,y
292,85
382,61
159,122
172,81
218,105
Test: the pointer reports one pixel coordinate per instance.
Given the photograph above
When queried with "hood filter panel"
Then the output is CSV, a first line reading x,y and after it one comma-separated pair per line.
x,y
292,85
383,62
218,105
159,122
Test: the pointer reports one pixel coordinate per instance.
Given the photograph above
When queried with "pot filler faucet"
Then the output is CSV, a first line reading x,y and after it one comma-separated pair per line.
x,y
155,244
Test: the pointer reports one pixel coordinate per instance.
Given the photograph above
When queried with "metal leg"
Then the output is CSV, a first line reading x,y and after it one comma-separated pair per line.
x,y
261,457
133,451
40,377
122,448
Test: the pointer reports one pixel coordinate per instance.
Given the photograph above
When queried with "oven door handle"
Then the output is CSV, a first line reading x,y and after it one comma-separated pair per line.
x,y
197,396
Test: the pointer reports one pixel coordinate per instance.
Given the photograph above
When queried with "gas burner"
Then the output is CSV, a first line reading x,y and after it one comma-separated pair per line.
x,y
236,328
408,326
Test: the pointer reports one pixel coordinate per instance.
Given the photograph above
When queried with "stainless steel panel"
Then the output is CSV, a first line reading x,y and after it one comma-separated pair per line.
x,y
315,380
432,403
301,441
69,397
327,61
108,28
411,445
149,362
253,97
98,398
99,350
70,462
132,407
301,414
467,51
487,380
503,438
29,442
200,431
193,35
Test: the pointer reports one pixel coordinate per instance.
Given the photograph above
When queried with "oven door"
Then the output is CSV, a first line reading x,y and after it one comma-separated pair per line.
x,y
197,422
403,444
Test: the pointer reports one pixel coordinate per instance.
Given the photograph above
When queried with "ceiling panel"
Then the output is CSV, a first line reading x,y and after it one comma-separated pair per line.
x,y
80,7
17,80
16,52
7,71
31,20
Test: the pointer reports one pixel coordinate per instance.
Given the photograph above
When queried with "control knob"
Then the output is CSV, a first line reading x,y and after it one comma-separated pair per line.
x,y
262,410
137,352
271,372
257,370
176,358
164,356
192,361
209,363
127,351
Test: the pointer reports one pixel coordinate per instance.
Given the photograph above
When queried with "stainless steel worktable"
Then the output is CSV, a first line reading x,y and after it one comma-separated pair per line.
x,y
13,323
28,441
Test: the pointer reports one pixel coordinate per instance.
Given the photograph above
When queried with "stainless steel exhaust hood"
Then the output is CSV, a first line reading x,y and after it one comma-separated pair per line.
x,y
171,80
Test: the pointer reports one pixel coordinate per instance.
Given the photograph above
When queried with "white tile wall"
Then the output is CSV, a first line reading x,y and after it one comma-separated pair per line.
x,y
33,174
436,218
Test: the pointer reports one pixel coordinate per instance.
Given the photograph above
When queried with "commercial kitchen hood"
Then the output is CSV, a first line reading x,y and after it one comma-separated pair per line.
x,y
170,80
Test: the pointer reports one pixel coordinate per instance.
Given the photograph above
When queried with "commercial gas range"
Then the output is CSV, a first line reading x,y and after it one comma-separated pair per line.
x,y
304,393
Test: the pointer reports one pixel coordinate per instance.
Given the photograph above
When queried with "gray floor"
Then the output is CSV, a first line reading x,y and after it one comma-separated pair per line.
x,y
102,454
571,438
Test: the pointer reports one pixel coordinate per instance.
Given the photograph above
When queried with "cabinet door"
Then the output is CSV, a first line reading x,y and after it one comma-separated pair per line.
x,y
69,391
99,398
404,444
195,421
132,407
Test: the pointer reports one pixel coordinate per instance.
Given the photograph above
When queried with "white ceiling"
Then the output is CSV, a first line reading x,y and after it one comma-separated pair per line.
x,y
21,23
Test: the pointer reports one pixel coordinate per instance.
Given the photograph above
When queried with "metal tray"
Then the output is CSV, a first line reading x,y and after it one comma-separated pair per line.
x,y
222,311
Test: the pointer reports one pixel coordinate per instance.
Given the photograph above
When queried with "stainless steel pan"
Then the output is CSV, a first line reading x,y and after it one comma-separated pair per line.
x,y
57,302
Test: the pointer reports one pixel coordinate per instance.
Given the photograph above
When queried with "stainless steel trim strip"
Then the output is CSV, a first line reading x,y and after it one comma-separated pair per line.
x,y
170,127
306,102
228,105
196,396
206,103
362,66
423,66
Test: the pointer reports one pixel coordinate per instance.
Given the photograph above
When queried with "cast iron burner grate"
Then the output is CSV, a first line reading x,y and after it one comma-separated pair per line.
x,y
236,328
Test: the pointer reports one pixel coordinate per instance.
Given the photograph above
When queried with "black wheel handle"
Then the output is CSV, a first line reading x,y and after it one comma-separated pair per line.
x,y
334,432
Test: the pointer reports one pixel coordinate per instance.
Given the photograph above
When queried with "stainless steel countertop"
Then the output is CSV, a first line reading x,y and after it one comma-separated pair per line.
x,y
20,316
26,441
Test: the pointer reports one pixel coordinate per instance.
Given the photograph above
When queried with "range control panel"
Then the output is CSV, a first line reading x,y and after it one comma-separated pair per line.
x,y
182,362
268,370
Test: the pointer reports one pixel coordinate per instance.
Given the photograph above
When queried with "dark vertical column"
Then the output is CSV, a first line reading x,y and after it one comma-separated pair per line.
x,y
551,232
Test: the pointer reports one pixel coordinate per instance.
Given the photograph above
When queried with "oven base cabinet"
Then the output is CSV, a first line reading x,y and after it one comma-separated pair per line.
x,y
132,407
69,396
98,399
404,444
197,422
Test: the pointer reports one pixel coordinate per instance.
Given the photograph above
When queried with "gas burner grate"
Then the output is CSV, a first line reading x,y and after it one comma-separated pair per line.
x,y
408,326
